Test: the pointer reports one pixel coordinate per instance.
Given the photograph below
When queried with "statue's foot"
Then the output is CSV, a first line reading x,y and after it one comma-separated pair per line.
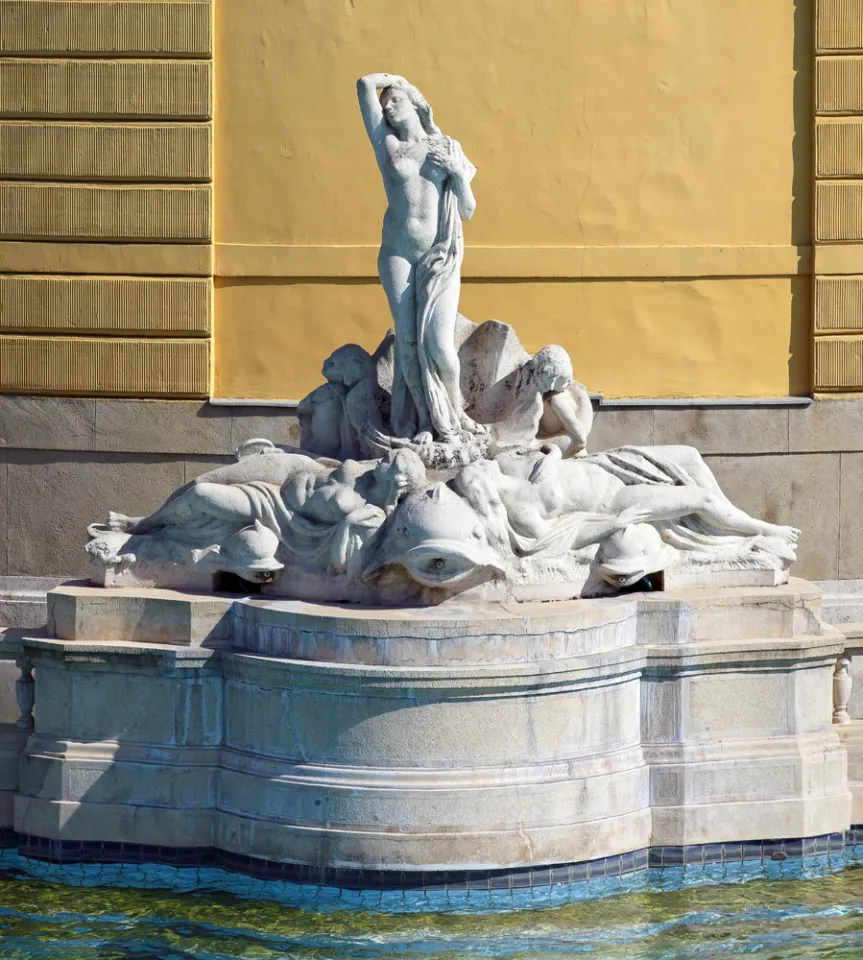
x,y
120,523
423,438
787,535
471,426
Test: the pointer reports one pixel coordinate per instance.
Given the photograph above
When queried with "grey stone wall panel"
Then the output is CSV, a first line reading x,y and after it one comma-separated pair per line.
x,y
53,495
851,517
799,490
724,429
826,425
154,426
47,423
4,515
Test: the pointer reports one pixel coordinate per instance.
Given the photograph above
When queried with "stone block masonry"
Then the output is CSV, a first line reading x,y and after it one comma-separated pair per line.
x,y
106,154
544,743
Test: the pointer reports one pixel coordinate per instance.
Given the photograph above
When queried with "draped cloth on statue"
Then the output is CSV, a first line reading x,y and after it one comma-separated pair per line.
x,y
636,465
437,282
335,546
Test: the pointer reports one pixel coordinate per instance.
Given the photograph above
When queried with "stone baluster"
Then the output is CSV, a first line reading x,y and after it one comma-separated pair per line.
x,y
841,690
25,693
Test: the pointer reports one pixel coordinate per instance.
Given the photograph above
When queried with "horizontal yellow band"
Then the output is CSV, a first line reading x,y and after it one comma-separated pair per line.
x,y
838,363
123,259
838,258
95,367
115,306
283,260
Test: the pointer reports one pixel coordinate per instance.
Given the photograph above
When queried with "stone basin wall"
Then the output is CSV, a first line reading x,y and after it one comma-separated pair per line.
x,y
419,742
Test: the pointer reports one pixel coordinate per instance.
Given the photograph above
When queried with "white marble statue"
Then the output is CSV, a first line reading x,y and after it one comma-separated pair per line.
x,y
319,513
539,504
449,462
546,407
342,416
427,182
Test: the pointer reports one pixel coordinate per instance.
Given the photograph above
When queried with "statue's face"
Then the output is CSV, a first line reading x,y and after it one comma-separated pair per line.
x,y
560,383
396,106
331,370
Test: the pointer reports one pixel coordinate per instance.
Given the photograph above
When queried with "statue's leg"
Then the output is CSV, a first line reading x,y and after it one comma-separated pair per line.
x,y
672,503
222,501
692,462
440,344
397,279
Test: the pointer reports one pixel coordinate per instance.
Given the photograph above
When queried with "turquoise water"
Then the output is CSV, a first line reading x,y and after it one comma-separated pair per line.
x,y
820,917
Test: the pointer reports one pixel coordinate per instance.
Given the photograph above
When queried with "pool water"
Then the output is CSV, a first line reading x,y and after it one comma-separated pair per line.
x,y
770,918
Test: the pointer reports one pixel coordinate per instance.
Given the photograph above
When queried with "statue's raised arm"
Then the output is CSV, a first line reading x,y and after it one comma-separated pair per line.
x,y
370,105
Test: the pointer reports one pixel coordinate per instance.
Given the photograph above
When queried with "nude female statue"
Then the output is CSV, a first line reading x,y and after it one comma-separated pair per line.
x,y
427,181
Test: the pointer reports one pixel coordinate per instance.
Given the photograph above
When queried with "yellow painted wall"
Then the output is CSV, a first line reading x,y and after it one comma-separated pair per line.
x,y
677,127
105,197
733,338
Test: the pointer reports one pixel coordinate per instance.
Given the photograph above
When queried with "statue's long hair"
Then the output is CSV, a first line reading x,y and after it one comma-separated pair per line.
x,y
421,105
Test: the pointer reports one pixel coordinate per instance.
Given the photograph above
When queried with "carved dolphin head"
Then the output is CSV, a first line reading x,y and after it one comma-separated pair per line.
x,y
632,553
437,538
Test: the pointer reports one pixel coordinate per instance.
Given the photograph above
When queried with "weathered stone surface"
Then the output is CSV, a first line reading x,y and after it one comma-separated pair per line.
x,y
279,424
153,426
94,615
195,466
851,737
55,495
47,423
518,633
4,513
618,427
841,602
23,600
8,702
826,425
725,430
572,734
799,490
12,742
851,517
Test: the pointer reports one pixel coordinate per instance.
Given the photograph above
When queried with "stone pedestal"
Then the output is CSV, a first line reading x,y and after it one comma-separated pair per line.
x,y
437,739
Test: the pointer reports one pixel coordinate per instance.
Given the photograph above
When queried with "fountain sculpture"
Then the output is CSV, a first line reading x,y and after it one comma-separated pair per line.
x,y
467,643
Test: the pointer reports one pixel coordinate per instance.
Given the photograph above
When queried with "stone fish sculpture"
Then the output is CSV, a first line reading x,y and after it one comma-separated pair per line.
x,y
448,463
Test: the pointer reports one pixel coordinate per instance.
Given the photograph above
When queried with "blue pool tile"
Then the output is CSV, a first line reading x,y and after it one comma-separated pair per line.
x,y
713,853
694,854
672,856
794,847
752,850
